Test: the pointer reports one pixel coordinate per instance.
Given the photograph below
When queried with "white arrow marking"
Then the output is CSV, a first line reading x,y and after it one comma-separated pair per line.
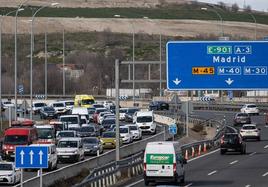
x,y
229,81
177,81
41,157
31,157
22,157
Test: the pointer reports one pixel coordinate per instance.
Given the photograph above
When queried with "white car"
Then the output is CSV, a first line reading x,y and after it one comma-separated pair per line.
x,y
100,117
37,106
122,113
107,104
125,134
69,104
59,107
135,131
8,173
7,104
250,109
70,149
250,131
52,155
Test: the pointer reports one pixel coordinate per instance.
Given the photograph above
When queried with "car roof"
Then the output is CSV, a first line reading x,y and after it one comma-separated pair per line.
x,y
44,145
249,125
67,131
71,139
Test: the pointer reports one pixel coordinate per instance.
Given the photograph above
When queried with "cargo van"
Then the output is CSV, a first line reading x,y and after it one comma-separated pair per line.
x,y
84,101
145,121
72,121
163,162
82,112
16,136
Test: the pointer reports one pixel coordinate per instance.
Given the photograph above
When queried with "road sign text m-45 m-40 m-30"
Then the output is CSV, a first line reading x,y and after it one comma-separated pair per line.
x,y
221,65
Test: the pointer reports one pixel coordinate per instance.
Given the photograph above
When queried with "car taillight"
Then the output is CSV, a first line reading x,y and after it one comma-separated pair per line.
x,y
4,147
144,167
174,167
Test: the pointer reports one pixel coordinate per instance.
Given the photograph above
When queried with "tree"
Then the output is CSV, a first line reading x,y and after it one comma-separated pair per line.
x,y
248,8
235,7
222,5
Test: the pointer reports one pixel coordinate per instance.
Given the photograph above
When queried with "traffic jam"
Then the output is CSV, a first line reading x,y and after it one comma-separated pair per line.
x,y
71,130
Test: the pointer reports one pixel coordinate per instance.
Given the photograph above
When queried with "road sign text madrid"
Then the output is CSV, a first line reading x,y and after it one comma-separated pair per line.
x,y
31,157
217,65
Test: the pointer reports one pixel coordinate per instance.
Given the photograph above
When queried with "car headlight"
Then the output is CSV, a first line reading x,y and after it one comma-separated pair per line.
x,y
95,146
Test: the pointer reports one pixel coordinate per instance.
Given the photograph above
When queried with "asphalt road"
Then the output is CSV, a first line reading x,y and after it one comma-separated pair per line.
x,y
230,170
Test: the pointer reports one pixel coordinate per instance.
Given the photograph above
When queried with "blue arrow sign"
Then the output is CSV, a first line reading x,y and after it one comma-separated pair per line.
x,y
217,65
172,129
31,157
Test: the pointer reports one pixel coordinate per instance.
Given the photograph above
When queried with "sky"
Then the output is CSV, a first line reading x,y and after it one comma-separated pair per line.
x,y
260,5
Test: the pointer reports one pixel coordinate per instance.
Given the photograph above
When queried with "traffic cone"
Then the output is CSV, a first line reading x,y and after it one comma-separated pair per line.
x,y
205,148
186,155
199,150
192,151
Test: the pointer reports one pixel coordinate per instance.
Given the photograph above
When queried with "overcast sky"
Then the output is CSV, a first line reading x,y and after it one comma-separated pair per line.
x,y
261,5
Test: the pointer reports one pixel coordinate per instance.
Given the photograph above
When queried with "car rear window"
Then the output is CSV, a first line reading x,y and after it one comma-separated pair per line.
x,y
242,115
252,106
233,137
249,127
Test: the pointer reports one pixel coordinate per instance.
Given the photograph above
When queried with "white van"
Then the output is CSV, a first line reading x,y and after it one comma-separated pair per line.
x,y
81,111
145,121
163,162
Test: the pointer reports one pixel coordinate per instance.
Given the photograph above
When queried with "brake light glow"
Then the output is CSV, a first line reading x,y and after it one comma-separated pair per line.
x,y
144,167
222,141
174,167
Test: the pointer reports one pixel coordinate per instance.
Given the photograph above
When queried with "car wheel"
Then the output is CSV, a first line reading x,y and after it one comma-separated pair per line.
x,y
146,183
223,152
182,181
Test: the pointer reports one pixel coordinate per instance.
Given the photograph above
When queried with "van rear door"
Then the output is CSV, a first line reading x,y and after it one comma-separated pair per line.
x,y
160,165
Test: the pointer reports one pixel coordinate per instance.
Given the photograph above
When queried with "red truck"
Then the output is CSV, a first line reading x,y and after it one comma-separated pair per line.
x,y
16,136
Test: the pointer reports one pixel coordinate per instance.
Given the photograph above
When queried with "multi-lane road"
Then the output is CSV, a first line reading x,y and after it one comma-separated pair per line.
x,y
231,169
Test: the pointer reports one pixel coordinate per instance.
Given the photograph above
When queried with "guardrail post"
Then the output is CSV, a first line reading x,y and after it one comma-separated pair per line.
x,y
99,173
103,180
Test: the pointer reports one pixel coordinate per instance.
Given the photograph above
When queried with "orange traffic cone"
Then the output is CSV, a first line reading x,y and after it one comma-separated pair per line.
x,y
186,155
199,150
192,151
205,148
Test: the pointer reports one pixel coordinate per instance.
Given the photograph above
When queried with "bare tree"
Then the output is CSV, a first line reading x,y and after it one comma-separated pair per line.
x,y
234,7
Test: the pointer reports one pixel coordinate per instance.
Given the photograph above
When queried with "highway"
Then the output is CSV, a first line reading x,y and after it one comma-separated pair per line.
x,y
232,169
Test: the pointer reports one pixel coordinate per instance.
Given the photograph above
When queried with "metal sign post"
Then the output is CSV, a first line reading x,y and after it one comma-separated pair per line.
x,y
172,130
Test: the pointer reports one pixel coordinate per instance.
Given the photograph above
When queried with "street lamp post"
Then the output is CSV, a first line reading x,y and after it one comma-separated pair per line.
x,y
15,71
221,25
32,48
255,22
133,58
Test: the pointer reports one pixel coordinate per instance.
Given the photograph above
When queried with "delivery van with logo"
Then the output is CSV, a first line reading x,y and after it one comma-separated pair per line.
x,y
163,162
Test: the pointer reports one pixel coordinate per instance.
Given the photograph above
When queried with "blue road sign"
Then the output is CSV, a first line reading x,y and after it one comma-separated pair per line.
x,y
31,157
172,129
20,89
217,65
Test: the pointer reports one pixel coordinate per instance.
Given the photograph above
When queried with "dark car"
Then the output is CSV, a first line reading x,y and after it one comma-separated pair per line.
x,y
158,105
92,145
129,114
48,112
242,118
107,123
232,142
87,131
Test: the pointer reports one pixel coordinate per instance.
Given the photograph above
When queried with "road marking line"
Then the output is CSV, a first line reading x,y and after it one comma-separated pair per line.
x,y
234,162
265,174
252,153
265,147
189,185
213,172
203,155
134,183
247,185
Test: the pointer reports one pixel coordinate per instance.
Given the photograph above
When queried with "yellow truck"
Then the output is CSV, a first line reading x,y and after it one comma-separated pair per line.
x,y
84,101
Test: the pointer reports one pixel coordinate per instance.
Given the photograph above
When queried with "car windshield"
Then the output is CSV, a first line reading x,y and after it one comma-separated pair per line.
x,y
58,105
123,130
91,111
232,137
242,115
90,140
49,109
87,129
39,104
252,106
249,127
45,133
108,121
109,135
132,111
16,139
101,110
87,101
66,134
6,167
133,127
122,110
98,106
68,144
71,120
144,119
71,103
